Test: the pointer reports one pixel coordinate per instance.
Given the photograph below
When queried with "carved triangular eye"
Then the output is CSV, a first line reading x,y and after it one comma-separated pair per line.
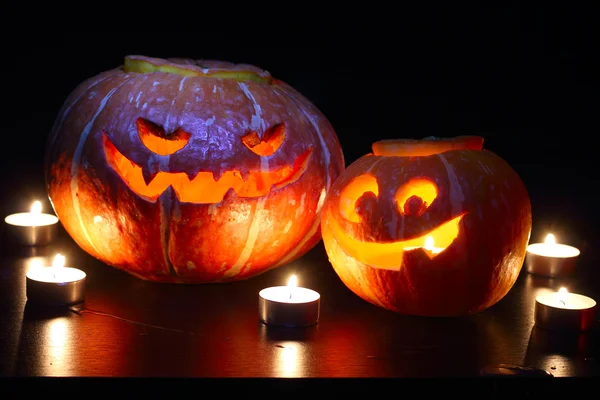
x,y
271,141
153,136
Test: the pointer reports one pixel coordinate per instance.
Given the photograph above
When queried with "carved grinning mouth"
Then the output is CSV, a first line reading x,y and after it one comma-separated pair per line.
x,y
390,255
201,188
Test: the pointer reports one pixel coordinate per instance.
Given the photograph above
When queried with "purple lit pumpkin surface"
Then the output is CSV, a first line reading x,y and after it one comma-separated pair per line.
x,y
185,171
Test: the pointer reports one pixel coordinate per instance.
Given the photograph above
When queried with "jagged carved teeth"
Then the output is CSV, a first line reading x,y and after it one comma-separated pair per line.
x,y
216,175
156,175
150,171
243,174
191,175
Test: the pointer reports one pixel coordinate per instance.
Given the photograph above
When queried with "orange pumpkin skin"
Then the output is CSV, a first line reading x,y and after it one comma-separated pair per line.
x,y
476,269
195,119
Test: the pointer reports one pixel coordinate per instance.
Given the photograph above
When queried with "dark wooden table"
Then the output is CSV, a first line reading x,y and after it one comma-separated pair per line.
x,y
128,327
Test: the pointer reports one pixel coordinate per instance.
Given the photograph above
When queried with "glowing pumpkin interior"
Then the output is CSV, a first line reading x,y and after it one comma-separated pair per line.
x,y
203,187
153,136
270,142
413,197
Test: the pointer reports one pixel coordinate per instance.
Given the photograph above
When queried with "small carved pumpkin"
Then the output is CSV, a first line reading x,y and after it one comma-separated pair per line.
x,y
185,171
428,227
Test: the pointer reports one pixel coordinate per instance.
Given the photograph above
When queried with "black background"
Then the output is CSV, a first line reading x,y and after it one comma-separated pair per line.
x,y
525,82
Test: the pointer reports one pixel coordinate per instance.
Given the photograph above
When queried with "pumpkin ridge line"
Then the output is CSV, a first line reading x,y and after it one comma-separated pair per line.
x,y
325,153
77,155
250,241
165,201
67,109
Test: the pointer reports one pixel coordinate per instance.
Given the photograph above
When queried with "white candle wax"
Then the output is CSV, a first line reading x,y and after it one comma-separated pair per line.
x,y
287,294
565,311
33,228
567,301
56,285
290,305
552,249
551,259
33,218
51,275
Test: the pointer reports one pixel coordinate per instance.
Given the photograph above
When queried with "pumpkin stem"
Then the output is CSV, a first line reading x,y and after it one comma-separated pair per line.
x,y
146,65
426,147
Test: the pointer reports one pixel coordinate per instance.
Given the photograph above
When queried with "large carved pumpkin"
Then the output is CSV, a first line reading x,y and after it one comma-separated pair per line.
x,y
190,171
431,227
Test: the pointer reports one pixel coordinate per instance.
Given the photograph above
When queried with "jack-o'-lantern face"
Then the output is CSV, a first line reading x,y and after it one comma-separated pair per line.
x,y
360,205
432,227
191,171
202,188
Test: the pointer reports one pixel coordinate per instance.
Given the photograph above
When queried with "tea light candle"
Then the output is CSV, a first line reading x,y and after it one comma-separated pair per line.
x,y
429,247
564,311
290,305
56,285
32,228
551,259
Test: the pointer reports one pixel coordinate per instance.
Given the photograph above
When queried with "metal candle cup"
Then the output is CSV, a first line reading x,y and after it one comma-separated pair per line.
x,y
565,311
56,285
289,306
551,259
32,228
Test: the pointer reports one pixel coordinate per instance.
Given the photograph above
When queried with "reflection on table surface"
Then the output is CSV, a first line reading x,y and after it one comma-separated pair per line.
x,y
131,328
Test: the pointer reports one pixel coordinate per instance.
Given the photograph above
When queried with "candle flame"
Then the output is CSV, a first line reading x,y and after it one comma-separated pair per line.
x,y
57,265
429,243
36,207
562,295
550,239
563,290
293,281
59,262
